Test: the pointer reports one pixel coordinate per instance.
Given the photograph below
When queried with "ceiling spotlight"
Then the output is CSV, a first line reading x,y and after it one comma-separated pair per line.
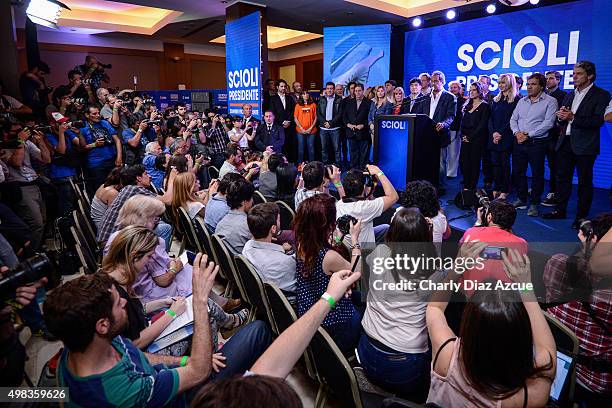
x,y
45,12
451,14
417,21
491,8
534,2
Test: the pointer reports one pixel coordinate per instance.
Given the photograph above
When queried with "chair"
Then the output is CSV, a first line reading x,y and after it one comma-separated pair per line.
x,y
87,262
227,264
81,224
567,343
188,230
335,374
87,256
87,217
286,215
254,289
205,239
213,172
259,198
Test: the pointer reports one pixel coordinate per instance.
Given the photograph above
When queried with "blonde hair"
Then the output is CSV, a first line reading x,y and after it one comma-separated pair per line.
x,y
513,88
138,209
376,99
182,192
129,245
398,88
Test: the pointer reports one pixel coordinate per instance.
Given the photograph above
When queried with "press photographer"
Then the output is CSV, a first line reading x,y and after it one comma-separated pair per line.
x,y
586,309
94,72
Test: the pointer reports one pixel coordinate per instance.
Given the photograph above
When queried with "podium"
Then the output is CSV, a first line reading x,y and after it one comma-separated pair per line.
x,y
407,148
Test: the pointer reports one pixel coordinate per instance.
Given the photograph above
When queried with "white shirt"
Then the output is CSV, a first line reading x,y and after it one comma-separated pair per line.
x,y
271,262
243,142
364,210
282,98
433,104
609,108
578,97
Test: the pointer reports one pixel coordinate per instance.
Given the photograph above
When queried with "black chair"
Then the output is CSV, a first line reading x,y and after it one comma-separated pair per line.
x,y
82,225
87,257
335,374
188,231
254,289
258,198
87,217
286,215
213,172
227,264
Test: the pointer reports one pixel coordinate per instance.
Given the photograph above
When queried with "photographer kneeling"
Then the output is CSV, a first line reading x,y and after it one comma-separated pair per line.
x,y
585,310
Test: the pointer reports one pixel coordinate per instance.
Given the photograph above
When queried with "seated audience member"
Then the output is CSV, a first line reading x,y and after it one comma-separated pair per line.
x,y
286,175
275,263
151,164
217,206
586,310
233,163
134,140
134,180
178,162
267,178
505,354
12,105
359,203
394,350
104,152
104,196
494,227
314,226
422,195
162,276
269,134
233,227
315,180
88,314
186,194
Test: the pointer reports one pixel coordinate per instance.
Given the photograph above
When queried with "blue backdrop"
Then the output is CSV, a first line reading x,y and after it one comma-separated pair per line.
x,y
243,63
523,42
356,53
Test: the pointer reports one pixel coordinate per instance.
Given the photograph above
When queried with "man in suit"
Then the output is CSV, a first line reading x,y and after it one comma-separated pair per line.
x,y
269,91
454,148
283,108
581,118
270,134
440,106
553,78
250,121
355,116
329,116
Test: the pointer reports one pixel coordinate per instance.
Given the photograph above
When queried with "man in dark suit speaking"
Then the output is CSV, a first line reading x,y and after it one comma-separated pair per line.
x,y
440,106
269,134
581,117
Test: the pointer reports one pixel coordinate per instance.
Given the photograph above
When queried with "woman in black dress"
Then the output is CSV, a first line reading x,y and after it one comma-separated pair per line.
x,y
474,131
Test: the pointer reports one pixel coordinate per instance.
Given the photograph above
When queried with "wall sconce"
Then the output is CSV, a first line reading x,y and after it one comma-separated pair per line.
x,y
176,59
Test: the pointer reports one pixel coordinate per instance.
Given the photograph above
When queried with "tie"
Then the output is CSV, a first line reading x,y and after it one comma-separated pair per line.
x,y
269,128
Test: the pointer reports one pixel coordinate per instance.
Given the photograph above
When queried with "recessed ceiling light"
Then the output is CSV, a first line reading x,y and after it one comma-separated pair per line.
x,y
534,2
491,8
451,14
417,21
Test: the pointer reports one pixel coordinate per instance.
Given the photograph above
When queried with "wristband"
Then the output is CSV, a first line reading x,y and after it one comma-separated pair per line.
x,y
184,361
380,173
329,299
171,313
338,185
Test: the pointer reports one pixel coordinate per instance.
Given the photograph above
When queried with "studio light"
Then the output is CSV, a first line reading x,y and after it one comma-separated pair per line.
x,y
451,14
491,8
417,21
45,12
534,2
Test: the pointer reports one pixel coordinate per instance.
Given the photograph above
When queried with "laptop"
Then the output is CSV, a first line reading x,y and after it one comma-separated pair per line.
x,y
562,379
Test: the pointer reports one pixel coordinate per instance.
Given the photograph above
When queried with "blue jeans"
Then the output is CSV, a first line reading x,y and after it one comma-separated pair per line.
x,y
243,349
305,139
401,373
164,230
346,335
330,137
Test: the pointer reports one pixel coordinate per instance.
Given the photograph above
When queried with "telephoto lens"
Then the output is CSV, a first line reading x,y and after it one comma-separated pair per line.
x,y
28,271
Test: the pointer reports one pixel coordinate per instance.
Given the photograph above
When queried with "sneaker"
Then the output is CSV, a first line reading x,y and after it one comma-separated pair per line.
x,y
550,201
533,211
519,204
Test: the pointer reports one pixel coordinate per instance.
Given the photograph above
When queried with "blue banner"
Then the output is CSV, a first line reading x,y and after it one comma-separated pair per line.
x,y
542,39
392,149
243,63
356,53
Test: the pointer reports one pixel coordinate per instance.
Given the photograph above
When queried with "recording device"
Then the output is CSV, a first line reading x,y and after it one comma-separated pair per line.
x,y
482,199
86,81
493,252
153,122
586,226
190,257
80,101
28,271
146,101
105,66
38,128
368,179
76,124
344,223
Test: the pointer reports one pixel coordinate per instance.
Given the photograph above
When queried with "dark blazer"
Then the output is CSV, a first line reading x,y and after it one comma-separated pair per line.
x,y
553,133
282,114
356,116
445,113
274,138
474,125
336,113
499,122
587,122
456,125
559,95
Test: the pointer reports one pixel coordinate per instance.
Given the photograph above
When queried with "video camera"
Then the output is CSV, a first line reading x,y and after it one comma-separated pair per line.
x,y
28,271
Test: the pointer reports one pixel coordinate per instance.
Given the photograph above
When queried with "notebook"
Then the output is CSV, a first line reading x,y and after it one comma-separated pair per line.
x,y
171,339
181,320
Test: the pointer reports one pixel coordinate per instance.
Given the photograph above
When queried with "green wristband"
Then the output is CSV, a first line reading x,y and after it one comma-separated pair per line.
x,y
170,312
380,174
329,299
184,361
338,185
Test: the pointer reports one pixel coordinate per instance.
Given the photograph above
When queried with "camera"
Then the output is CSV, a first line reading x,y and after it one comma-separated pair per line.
x,y
344,223
80,101
28,271
153,122
586,226
482,199
76,124
37,128
147,101
86,81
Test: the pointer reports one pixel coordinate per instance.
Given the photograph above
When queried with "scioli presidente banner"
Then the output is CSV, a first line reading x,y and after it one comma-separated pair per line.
x,y
243,63
551,38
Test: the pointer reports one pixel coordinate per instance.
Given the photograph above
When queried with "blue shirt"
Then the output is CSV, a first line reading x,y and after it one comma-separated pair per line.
x,y
215,210
157,176
99,155
535,118
55,171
